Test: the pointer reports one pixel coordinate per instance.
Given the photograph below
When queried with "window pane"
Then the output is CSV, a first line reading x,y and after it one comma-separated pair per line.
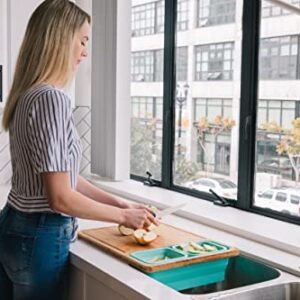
x,y
215,12
206,131
146,88
278,122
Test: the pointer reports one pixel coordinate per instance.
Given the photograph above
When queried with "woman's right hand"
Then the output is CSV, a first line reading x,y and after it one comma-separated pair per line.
x,y
137,218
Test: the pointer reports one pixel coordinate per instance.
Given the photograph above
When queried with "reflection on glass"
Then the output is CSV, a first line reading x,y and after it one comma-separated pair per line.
x,y
278,116
207,98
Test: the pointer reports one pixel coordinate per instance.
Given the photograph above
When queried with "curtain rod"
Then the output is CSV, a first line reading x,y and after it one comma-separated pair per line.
x,y
285,5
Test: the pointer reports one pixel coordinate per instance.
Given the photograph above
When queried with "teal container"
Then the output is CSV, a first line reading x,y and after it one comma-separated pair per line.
x,y
190,276
184,277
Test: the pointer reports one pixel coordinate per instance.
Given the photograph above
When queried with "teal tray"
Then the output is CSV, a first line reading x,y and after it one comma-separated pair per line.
x,y
184,277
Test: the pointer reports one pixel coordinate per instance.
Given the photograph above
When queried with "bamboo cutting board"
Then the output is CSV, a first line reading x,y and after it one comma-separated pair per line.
x,y
110,240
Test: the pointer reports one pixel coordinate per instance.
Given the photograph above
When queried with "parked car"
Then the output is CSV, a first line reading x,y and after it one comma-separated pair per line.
x,y
279,199
221,186
276,165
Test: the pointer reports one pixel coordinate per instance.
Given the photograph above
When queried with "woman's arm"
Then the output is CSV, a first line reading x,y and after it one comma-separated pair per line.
x,y
65,200
86,188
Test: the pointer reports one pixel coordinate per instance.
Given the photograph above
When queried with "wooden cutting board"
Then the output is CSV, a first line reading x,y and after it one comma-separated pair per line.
x,y
110,240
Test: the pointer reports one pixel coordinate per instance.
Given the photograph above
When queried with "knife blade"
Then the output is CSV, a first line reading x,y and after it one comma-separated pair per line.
x,y
169,210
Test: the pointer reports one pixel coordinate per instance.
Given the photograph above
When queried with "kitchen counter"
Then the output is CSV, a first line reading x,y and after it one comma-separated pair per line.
x,y
98,272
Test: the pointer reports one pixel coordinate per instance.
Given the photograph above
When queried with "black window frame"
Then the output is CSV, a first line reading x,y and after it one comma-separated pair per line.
x,y
248,107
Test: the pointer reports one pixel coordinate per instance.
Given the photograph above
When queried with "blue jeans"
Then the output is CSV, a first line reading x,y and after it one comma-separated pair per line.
x,y
34,253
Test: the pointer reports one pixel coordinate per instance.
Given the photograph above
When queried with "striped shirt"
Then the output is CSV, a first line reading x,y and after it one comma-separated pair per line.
x,y
43,138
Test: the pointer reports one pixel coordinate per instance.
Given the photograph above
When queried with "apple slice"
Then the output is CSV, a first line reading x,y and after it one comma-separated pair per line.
x,y
144,237
125,230
149,237
138,235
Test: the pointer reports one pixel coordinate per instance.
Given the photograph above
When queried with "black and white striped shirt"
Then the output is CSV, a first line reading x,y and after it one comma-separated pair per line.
x,y
43,138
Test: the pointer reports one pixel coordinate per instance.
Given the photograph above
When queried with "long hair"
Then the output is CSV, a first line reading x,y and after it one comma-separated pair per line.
x,y
46,52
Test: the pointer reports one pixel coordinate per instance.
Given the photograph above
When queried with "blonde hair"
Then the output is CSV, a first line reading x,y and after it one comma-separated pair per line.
x,y
46,52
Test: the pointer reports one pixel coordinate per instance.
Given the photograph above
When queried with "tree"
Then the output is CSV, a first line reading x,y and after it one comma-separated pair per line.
x,y
145,155
203,127
290,145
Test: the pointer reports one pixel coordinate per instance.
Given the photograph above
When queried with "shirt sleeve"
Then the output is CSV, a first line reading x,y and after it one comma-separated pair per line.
x,y
49,117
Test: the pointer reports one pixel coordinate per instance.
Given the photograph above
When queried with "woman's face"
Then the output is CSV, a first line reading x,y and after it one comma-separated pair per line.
x,y
81,38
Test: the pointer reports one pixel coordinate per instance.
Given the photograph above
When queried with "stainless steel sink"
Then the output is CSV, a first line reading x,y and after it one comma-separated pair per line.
x,y
241,271
283,291
249,279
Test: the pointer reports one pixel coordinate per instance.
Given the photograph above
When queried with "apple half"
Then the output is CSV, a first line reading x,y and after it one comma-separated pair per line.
x,y
144,237
125,230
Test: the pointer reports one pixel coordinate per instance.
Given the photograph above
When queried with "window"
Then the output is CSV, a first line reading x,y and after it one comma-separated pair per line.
x,y
214,61
280,112
143,19
149,18
183,15
217,142
222,122
279,58
267,195
147,66
215,12
278,116
281,197
295,199
271,10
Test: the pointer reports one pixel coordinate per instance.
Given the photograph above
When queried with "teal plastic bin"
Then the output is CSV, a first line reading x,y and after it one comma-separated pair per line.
x,y
184,277
190,276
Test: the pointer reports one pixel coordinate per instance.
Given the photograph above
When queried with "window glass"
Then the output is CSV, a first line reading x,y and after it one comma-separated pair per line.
x,y
206,106
215,12
278,121
146,88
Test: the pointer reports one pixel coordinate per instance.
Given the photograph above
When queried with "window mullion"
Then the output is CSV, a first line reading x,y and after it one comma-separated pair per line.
x,y
168,94
249,93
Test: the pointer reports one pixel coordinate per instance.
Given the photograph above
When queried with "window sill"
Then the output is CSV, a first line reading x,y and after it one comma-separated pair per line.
x,y
256,235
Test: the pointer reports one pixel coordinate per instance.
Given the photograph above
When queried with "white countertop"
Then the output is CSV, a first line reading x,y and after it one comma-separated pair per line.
x,y
135,285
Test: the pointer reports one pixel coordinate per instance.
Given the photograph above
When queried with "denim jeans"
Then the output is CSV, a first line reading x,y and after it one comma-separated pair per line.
x,y
34,252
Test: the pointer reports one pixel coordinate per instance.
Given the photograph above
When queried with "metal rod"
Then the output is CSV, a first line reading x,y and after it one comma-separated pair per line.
x,y
285,5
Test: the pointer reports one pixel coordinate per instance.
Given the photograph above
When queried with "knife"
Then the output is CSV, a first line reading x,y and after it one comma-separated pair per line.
x,y
169,210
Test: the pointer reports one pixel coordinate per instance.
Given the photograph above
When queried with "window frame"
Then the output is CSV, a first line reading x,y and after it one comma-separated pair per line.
x,y
248,107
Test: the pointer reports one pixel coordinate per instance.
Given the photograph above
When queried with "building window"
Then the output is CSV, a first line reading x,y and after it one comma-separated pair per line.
x,y
279,57
280,112
143,19
142,66
182,15
214,61
217,143
148,65
271,10
215,12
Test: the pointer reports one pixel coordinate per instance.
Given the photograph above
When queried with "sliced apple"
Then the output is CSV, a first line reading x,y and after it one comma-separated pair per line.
x,y
149,237
125,230
144,237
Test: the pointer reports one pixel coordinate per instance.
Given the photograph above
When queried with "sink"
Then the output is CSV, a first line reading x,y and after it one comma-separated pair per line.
x,y
282,291
241,271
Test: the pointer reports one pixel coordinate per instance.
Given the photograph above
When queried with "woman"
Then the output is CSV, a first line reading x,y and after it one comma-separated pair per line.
x,y
38,222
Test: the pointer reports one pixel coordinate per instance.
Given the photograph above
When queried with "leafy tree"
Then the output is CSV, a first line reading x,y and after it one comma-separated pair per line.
x,y
220,124
145,155
185,170
290,145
